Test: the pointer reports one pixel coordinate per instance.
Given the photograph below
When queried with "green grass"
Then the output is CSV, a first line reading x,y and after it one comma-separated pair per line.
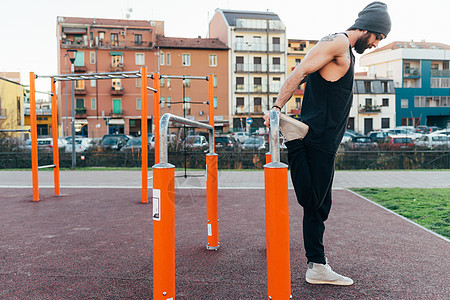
x,y
427,207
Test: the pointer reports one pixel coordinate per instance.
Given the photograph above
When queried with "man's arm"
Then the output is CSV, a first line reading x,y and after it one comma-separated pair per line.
x,y
319,56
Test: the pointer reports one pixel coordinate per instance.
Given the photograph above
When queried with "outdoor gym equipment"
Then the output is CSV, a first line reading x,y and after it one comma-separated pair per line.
x,y
164,208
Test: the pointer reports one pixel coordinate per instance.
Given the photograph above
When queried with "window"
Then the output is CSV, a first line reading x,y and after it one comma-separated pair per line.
x,y
101,35
140,59
116,60
117,84
276,63
138,103
385,123
161,101
298,61
431,101
79,103
168,81
161,58
168,101
386,102
215,102
114,39
138,82
93,103
276,43
138,39
240,104
213,60
257,84
187,104
298,103
79,59
117,106
92,57
186,60
168,59
215,81
79,84
240,83
161,82
257,107
385,86
187,82
240,63
93,82
257,64
368,102
404,103
367,86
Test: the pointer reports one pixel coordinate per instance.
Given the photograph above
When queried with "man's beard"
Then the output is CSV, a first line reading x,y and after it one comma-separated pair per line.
x,y
362,43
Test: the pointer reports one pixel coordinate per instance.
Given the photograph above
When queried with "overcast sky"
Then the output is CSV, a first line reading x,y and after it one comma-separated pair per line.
x,y
29,43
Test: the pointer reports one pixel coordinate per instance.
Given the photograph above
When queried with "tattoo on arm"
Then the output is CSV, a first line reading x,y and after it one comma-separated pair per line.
x,y
329,38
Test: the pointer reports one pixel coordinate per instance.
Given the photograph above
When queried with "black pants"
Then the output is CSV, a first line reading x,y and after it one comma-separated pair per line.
x,y
312,174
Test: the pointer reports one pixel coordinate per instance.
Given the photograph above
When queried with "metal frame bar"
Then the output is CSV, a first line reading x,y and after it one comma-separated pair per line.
x,y
274,135
164,129
184,77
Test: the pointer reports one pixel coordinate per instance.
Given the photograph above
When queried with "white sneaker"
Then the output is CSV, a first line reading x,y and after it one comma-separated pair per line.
x,y
323,274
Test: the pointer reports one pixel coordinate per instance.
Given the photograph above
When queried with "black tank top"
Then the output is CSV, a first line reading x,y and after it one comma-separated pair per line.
x,y
326,106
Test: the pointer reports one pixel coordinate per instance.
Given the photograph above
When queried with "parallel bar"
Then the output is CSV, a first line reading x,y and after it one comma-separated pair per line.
x,y
156,114
211,103
55,138
164,128
46,166
274,135
15,130
184,77
34,150
152,89
212,202
144,135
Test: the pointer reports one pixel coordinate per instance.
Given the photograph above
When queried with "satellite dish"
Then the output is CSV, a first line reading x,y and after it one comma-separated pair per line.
x,y
130,10
128,16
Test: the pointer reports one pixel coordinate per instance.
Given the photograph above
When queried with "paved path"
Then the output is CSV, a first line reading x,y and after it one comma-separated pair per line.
x,y
227,179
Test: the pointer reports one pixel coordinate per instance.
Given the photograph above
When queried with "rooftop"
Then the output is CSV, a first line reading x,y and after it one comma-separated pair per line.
x,y
190,43
412,45
232,15
110,22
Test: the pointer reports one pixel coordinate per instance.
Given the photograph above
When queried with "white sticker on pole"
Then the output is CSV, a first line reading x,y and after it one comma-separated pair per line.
x,y
156,205
209,230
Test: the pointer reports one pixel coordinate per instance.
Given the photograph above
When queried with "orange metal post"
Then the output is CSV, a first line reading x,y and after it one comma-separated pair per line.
x,y
55,138
277,231
163,232
212,202
34,150
144,135
156,114
268,157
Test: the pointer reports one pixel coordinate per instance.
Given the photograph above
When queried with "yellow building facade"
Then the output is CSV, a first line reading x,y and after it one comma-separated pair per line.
x,y
296,52
11,107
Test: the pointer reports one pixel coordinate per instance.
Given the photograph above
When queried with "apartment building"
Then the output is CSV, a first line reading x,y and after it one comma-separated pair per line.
x,y
257,62
11,104
188,97
296,52
105,45
421,75
373,104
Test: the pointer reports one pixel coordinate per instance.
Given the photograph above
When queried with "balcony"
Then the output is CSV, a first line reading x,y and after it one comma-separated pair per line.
x,y
80,112
258,47
117,113
116,68
411,72
295,111
259,68
2,113
257,89
39,111
104,44
82,69
440,73
370,109
117,91
259,24
80,92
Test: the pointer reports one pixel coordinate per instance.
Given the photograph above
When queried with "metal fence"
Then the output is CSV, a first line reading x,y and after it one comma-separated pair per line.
x,y
349,160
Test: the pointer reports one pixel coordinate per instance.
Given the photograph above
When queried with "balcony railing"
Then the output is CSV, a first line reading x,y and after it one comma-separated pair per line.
x,y
2,113
255,88
411,72
258,47
115,91
80,111
117,67
259,68
117,113
105,44
259,24
80,92
80,68
370,109
440,73
39,111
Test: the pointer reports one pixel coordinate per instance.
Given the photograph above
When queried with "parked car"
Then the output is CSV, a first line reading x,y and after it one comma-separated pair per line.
x,y
195,142
115,142
397,142
427,129
442,131
361,143
407,131
240,136
126,137
254,143
433,141
224,142
348,134
134,144
81,144
46,144
378,135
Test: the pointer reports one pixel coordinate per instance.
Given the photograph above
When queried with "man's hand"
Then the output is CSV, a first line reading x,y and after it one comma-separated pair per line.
x,y
267,116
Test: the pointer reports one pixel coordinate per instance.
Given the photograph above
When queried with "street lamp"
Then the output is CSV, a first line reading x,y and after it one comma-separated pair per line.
x,y
72,54
248,88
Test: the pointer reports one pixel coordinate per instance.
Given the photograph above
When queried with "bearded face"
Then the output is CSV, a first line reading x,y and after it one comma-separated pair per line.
x,y
362,43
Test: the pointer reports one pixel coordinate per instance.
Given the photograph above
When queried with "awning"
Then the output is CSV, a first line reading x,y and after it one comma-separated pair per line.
x,y
81,121
116,122
115,53
74,30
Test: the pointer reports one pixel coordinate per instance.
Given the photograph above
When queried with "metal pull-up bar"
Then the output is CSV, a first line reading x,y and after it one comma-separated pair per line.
x,y
164,208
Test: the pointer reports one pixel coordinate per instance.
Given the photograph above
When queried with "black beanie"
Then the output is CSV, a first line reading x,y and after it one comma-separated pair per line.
x,y
374,18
